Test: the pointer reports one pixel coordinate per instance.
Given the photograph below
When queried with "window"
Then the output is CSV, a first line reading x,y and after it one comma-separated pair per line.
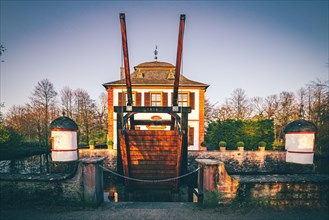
x,y
122,99
183,99
155,99
190,135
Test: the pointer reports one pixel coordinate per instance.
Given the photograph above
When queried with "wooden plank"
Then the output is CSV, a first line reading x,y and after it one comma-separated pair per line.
x,y
153,153
153,162
153,167
153,139
153,157
153,148
124,156
154,143
178,165
151,133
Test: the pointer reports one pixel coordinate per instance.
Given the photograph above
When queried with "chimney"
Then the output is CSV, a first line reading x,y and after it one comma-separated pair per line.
x,y
122,72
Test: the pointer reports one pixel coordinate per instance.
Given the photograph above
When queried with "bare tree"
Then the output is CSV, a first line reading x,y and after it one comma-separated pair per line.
x,y
225,111
286,112
43,98
258,107
67,98
101,118
271,106
239,104
209,111
84,113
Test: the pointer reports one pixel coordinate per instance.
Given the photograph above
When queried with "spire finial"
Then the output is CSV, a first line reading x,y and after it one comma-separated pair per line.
x,y
156,53
301,112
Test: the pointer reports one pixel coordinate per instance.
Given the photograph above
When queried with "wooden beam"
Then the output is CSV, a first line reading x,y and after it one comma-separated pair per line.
x,y
126,58
119,156
178,59
153,109
152,122
184,143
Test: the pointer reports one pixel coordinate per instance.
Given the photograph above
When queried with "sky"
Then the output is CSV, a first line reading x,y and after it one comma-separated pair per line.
x,y
263,47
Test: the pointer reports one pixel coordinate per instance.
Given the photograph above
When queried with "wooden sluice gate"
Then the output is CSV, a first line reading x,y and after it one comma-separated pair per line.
x,y
152,155
158,157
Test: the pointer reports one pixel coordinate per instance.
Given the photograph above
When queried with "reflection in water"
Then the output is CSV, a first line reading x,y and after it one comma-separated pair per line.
x,y
321,165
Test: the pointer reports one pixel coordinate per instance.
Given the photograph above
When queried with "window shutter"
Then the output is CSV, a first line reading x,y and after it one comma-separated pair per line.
x,y
172,98
190,136
165,99
146,99
138,99
121,99
192,100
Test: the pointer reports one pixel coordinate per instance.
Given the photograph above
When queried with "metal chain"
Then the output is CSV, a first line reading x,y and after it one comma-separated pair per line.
x,y
150,181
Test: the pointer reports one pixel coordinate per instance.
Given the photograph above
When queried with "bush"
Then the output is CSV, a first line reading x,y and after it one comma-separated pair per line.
x,y
277,145
262,144
240,144
110,142
9,137
211,199
249,131
91,142
222,143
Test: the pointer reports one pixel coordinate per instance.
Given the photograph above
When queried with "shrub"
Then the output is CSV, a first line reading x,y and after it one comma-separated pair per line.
x,y
110,142
222,143
211,199
250,131
240,144
277,145
91,142
261,144
203,144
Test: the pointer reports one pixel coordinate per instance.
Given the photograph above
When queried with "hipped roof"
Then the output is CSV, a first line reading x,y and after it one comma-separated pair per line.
x,y
154,73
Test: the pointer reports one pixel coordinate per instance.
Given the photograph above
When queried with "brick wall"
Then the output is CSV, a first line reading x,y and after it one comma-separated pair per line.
x,y
250,162
273,190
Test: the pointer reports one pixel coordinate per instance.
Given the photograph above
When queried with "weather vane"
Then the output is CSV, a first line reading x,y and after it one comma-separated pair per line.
x,y
156,53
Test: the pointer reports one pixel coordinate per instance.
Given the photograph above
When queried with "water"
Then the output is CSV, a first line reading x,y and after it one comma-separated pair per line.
x,y
321,165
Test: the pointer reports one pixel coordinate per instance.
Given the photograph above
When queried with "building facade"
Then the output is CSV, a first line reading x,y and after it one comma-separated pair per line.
x,y
152,85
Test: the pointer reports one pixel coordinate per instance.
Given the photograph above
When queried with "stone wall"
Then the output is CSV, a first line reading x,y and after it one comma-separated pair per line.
x,y
84,186
311,193
236,162
277,190
251,162
32,164
110,156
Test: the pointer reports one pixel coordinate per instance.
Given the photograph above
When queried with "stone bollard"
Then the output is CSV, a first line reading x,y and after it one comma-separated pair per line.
x,y
92,176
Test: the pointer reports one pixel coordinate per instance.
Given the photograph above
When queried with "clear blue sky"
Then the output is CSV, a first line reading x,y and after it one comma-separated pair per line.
x,y
263,47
